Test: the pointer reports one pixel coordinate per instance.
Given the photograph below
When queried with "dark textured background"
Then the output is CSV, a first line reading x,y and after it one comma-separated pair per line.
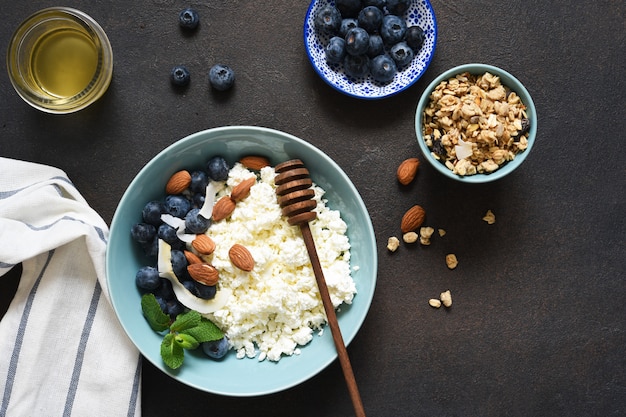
x,y
539,317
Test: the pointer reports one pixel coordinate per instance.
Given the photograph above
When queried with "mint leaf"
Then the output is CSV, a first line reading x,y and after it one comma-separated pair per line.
x,y
186,341
186,321
171,352
205,331
158,320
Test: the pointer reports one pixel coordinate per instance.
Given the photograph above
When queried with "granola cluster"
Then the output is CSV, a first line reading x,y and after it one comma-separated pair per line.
x,y
474,124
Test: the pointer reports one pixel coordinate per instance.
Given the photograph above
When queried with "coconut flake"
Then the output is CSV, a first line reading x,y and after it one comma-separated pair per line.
x,y
206,210
463,149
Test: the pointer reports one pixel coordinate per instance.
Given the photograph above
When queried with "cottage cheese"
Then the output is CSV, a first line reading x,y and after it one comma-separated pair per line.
x,y
276,307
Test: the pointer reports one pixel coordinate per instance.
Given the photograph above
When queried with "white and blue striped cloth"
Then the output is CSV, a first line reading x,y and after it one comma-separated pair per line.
x,y
63,351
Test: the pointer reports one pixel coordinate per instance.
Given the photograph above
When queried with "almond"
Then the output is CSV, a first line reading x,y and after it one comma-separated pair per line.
x,y
407,170
178,182
204,273
223,208
203,244
192,258
242,190
254,162
241,257
412,219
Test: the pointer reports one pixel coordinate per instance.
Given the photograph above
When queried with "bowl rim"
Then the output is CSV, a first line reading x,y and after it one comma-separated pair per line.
x,y
358,317
510,81
367,97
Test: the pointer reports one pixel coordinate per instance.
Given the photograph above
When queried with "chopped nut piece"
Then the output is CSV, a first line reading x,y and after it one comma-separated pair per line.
x,y
446,298
490,218
451,261
425,234
434,303
393,243
442,232
410,237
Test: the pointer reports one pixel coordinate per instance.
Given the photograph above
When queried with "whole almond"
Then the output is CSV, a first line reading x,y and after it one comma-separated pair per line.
x,y
412,219
242,190
241,257
192,258
204,273
254,162
407,170
223,208
203,244
178,182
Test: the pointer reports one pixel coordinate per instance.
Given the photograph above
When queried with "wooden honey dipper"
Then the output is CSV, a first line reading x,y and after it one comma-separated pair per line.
x,y
295,197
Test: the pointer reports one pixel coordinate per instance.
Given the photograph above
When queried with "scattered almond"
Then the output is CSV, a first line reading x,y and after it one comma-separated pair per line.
x,y
223,208
178,182
192,258
204,273
254,162
241,257
203,244
242,190
412,219
407,170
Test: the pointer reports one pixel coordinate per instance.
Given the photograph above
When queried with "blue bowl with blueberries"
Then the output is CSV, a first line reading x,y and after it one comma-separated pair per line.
x,y
475,123
370,49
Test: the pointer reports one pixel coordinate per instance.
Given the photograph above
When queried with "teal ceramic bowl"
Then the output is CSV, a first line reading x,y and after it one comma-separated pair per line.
x,y
232,376
507,80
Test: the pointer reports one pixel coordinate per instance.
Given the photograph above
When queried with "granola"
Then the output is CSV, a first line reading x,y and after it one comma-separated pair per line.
x,y
474,124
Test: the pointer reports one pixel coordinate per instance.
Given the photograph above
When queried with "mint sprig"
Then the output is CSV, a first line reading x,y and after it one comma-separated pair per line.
x,y
188,331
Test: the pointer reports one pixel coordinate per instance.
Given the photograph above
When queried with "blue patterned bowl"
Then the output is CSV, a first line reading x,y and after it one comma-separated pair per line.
x,y
419,13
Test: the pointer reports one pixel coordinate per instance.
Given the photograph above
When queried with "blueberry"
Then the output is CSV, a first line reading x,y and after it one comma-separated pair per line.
x,y
142,232
216,349
147,278
151,248
195,223
376,47
383,68
162,303
190,285
198,200
221,77
348,8
398,7
152,211
357,41
174,308
217,168
199,181
335,50
180,76
356,66
165,290
402,54
346,25
177,205
206,292
415,37
179,264
167,233
327,20
188,19
392,29
370,18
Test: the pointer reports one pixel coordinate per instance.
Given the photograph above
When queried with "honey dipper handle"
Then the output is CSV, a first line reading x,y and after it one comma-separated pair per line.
x,y
342,353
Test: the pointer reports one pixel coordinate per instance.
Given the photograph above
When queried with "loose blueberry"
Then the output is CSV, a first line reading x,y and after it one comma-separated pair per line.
x,y
195,223
402,54
346,25
357,41
376,47
206,292
151,248
188,19
147,278
335,50
216,349
392,29
327,20
199,181
180,76
142,232
356,66
167,234
217,168
415,37
398,7
221,77
383,68
370,18
174,308
177,205
349,8
179,264
152,211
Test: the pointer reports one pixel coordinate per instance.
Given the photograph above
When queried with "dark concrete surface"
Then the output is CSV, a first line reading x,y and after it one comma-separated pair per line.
x,y
538,324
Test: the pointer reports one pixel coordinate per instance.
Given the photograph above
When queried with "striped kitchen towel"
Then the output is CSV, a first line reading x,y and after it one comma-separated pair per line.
x,y
64,352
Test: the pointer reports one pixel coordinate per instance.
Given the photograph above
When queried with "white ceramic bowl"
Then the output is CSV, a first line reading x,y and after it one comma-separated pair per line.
x,y
420,13
509,81
232,376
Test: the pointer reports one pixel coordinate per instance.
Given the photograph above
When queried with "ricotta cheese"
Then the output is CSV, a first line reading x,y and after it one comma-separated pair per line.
x,y
276,308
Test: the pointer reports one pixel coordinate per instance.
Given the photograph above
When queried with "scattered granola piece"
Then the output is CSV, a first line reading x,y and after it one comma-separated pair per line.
x,y
409,237
393,243
490,218
425,234
442,232
451,261
434,303
446,298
